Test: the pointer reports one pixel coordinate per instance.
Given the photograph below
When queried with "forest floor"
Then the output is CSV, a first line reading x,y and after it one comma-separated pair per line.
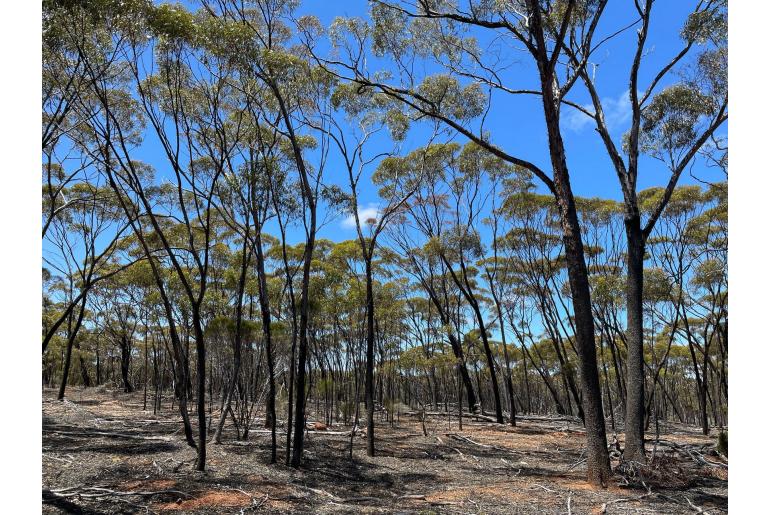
x,y
103,454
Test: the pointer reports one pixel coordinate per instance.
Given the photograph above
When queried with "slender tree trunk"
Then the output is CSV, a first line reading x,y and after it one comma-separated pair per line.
x,y
471,298
237,343
98,365
146,369
264,304
459,397
492,371
304,315
369,382
606,381
86,378
508,374
200,351
73,332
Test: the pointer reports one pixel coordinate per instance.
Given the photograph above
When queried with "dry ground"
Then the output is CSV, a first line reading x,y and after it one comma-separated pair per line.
x,y
103,454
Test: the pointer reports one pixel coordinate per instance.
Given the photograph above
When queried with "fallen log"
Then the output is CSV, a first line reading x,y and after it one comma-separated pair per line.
x,y
476,416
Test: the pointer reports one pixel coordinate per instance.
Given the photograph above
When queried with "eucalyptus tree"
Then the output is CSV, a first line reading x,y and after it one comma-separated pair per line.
x,y
445,184
538,265
238,218
431,276
247,204
365,116
688,246
466,172
183,101
669,122
260,39
84,246
498,271
454,97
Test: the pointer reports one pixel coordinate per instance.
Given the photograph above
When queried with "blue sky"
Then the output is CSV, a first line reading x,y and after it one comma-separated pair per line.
x,y
517,125
516,122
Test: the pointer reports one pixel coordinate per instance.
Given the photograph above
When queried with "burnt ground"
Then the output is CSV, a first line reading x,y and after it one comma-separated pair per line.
x,y
103,454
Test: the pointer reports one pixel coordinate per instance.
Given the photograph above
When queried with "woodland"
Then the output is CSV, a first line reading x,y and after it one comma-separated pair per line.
x,y
291,265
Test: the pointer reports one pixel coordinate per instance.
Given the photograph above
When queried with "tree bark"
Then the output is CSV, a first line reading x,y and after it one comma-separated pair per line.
x,y
200,351
264,305
125,364
634,445
70,342
369,381
597,456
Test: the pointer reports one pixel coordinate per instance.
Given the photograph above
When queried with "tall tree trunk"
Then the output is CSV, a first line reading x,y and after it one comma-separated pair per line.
x,y
264,305
457,349
98,365
369,382
465,288
508,374
634,449
146,367
491,365
597,455
83,368
200,351
304,315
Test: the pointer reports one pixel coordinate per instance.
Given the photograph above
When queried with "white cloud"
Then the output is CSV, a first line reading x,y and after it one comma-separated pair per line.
x,y
371,212
575,120
617,111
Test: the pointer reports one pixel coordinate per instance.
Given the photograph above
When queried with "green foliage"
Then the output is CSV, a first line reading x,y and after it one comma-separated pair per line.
x,y
669,122
444,94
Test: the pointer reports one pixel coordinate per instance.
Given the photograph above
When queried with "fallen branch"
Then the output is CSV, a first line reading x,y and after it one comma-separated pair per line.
x,y
57,459
626,499
691,451
340,500
108,435
468,440
696,508
98,492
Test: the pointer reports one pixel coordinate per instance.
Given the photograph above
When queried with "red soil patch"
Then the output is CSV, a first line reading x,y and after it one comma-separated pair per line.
x,y
212,498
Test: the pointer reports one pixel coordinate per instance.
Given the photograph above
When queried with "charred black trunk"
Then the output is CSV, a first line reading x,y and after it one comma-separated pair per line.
x,y
125,364
369,381
634,449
